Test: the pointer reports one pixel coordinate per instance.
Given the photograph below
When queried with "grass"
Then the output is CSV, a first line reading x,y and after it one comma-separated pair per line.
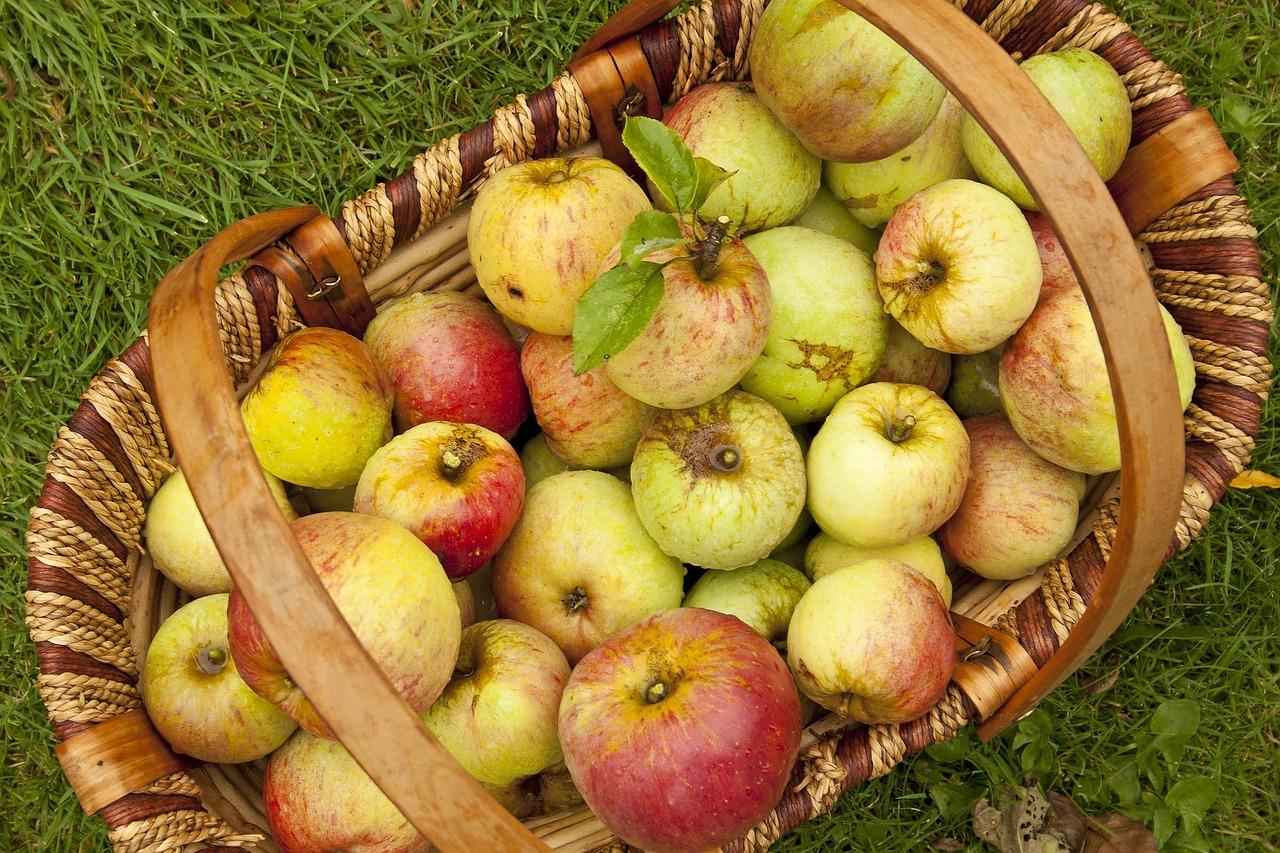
x,y
133,131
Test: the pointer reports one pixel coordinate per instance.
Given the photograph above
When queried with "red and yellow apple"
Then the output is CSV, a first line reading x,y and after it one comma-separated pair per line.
x,y
319,410
958,267
539,231
389,588
872,642
1019,510
910,362
579,565
195,697
586,420
889,465
497,716
681,732
457,487
450,358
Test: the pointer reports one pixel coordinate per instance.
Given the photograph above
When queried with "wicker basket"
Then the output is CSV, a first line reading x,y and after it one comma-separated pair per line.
x,y
94,601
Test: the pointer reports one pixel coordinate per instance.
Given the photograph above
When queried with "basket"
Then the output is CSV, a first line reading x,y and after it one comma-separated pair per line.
x,y
94,601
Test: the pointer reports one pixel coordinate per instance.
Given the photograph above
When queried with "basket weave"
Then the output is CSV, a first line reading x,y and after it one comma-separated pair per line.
x,y
94,602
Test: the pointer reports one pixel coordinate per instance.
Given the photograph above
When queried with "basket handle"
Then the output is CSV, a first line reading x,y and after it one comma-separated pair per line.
x,y
202,419
1096,239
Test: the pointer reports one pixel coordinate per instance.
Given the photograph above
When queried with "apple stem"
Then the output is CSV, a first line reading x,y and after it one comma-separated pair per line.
x,y
655,692
557,176
707,261
211,660
726,458
576,600
900,430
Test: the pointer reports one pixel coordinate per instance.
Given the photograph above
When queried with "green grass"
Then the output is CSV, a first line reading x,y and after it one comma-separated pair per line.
x,y
135,130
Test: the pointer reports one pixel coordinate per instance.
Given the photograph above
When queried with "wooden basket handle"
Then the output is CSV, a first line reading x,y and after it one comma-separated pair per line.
x,y
202,419
1077,203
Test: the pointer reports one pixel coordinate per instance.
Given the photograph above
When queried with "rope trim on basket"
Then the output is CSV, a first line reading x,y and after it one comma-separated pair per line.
x,y
84,535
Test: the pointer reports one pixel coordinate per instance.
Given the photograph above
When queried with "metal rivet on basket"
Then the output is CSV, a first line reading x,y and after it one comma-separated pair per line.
x,y
983,647
324,287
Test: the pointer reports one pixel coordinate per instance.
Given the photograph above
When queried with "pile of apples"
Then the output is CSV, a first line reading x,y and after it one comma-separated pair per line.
x,y
755,342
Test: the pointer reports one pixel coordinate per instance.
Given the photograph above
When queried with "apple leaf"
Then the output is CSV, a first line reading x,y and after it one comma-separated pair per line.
x,y
648,232
664,157
709,177
613,311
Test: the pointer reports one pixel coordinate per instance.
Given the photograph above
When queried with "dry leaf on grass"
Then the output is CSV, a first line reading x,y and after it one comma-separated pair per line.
x,y
1115,833
1255,480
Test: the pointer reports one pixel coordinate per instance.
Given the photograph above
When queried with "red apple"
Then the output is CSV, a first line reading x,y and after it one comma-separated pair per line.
x,y
1018,510
1058,274
910,362
681,731
588,421
390,589
457,487
451,358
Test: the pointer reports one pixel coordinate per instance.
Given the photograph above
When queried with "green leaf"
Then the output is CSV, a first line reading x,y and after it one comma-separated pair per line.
x,y
709,177
1192,798
1124,784
953,798
948,751
1163,822
648,232
613,312
664,157
1173,723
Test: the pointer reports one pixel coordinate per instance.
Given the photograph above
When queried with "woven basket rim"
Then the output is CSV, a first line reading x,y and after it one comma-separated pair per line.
x,y
84,540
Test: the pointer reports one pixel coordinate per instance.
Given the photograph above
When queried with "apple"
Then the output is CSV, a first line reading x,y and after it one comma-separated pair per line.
x,y
1055,390
975,383
195,697
557,789
958,268
466,603
828,215
889,465
579,565
539,462
1019,510
1056,272
180,545
682,731
457,487
586,420
872,642
762,595
772,177
908,361
521,798
481,585
872,190
829,325
709,328
721,484
539,231
827,554
497,716
318,798
451,358
846,89
319,409
1092,100
328,500
389,588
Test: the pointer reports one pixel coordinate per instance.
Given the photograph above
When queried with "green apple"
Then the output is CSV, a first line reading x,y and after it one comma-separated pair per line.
x,y
1092,100
908,361
872,642
329,500
975,383
195,697
497,715
579,566
1055,389
772,177
762,595
889,465
826,554
872,190
1019,510
829,325
466,603
829,216
180,545
539,232
846,89
721,484
539,462
318,798
320,409
958,267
